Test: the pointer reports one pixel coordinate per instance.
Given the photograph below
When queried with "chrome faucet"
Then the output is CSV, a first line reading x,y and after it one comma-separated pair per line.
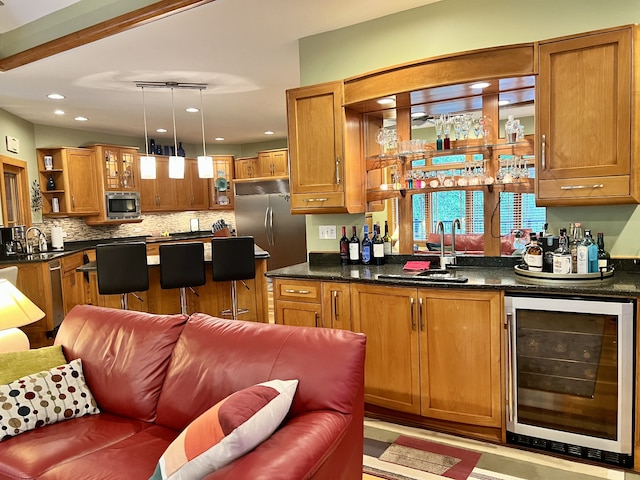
x,y
455,223
39,237
440,229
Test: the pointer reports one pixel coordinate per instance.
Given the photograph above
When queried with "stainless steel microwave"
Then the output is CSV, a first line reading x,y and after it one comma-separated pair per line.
x,y
122,205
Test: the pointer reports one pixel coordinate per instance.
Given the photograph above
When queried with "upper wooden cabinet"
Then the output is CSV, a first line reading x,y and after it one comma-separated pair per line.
x,y
326,163
118,167
220,187
273,163
246,167
159,194
75,178
586,143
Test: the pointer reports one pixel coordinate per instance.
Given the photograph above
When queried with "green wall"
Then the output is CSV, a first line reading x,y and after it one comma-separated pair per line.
x,y
452,26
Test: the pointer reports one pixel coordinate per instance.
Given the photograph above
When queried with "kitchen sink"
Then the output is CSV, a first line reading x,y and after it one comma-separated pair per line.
x,y
436,276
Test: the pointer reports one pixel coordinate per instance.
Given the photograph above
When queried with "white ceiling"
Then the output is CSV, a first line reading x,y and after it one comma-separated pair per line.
x,y
246,51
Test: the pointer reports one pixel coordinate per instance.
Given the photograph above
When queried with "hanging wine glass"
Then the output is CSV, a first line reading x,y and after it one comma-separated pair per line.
x,y
381,139
465,126
487,129
439,123
477,127
447,130
457,126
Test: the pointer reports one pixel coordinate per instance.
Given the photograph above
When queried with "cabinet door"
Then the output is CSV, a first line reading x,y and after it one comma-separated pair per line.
x,y
584,118
265,166
315,142
298,314
192,191
336,305
165,186
148,198
246,168
72,282
128,168
387,316
223,174
82,182
280,163
460,356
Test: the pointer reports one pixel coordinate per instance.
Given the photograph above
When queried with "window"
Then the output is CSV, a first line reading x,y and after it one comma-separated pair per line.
x,y
14,190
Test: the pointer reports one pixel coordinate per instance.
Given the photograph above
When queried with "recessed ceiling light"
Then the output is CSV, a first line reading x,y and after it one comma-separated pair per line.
x,y
55,96
269,132
192,110
81,119
480,85
503,102
59,112
219,139
161,130
386,101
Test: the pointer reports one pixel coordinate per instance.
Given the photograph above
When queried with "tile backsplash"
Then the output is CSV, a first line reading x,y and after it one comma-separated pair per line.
x,y
74,228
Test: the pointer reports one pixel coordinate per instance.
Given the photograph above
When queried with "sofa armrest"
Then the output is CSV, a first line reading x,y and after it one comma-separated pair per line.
x,y
315,445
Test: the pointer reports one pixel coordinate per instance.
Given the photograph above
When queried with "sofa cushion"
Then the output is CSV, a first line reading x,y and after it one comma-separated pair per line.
x,y
125,355
228,430
65,442
19,364
45,398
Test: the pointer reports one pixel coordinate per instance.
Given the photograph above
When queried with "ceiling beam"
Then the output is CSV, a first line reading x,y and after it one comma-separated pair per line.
x,y
101,30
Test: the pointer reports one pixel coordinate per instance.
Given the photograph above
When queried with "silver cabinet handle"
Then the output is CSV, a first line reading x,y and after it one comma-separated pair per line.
x,y
335,304
301,292
316,319
316,199
73,201
337,170
413,320
420,319
543,152
578,187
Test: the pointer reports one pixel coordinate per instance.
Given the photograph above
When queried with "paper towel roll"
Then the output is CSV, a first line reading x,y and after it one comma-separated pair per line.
x,y
56,238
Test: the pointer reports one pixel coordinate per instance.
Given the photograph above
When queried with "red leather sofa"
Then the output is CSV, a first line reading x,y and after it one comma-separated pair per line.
x,y
152,375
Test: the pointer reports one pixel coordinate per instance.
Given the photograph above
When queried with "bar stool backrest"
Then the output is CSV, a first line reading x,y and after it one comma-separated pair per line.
x,y
182,265
233,258
122,268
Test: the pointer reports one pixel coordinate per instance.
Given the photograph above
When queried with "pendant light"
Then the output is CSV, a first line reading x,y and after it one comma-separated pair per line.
x,y
205,163
176,162
147,163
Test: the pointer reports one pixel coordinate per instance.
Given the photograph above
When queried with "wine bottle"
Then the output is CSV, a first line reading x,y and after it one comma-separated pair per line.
x,y
354,248
533,254
365,252
344,247
603,256
562,255
378,247
592,253
51,185
388,244
576,238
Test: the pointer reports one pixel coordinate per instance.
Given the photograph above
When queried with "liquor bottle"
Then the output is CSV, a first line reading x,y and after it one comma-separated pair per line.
x,y
51,185
354,248
582,253
562,255
576,238
378,246
365,252
592,253
533,254
388,244
344,247
603,256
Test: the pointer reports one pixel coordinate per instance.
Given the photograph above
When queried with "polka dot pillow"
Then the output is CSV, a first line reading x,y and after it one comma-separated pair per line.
x,y
44,398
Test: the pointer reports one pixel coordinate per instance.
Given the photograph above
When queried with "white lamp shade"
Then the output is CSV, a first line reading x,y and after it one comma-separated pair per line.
x,y
148,168
176,167
205,167
16,310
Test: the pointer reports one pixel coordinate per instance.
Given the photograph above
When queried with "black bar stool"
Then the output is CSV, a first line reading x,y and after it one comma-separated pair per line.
x,y
182,266
233,259
122,269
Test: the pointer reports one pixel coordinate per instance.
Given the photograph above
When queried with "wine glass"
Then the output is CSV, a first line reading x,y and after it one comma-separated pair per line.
x,y
439,123
381,139
442,175
477,127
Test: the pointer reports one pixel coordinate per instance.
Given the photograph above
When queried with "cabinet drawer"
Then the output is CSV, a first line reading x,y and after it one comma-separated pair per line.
x,y
71,262
299,291
565,191
313,201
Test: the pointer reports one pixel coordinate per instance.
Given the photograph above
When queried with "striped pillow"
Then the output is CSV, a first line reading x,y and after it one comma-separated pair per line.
x,y
228,430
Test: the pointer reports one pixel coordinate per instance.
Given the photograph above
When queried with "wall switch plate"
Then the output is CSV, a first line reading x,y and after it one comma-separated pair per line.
x,y
327,232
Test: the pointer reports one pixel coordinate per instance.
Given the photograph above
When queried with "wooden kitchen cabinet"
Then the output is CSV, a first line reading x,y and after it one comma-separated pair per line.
x,y
336,305
434,353
297,302
246,167
326,163
118,167
76,182
192,192
73,287
587,145
273,163
220,187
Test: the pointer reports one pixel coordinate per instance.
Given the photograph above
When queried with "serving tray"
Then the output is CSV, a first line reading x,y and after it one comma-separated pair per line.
x,y
522,270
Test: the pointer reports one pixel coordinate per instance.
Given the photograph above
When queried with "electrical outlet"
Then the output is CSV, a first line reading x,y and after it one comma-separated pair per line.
x,y
327,232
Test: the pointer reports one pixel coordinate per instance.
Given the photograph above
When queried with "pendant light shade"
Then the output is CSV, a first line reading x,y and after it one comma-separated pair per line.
x,y
147,163
205,163
176,163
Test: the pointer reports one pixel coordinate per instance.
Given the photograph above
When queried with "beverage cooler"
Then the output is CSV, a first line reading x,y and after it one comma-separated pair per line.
x,y
570,376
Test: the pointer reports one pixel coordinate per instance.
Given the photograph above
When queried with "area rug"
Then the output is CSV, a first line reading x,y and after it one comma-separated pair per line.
x,y
396,452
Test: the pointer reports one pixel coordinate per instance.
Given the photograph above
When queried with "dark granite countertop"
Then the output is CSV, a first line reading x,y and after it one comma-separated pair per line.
x,y
482,273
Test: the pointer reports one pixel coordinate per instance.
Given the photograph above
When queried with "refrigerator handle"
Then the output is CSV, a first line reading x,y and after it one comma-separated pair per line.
x,y
271,240
266,224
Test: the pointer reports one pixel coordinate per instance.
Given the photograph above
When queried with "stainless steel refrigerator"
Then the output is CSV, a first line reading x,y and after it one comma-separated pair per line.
x,y
263,210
